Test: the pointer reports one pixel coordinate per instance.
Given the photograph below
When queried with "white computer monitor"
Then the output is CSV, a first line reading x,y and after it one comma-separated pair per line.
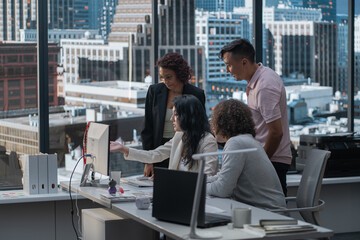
x,y
98,145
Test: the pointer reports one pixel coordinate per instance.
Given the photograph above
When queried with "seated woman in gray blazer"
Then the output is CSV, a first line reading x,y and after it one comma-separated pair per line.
x,y
192,135
246,177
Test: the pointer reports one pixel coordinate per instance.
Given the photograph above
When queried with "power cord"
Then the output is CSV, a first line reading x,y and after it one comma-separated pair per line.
x,y
71,200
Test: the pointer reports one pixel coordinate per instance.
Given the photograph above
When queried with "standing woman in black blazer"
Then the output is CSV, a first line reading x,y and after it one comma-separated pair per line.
x,y
174,74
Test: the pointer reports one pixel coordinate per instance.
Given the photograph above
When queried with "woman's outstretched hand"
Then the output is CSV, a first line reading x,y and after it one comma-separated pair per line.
x,y
118,147
148,170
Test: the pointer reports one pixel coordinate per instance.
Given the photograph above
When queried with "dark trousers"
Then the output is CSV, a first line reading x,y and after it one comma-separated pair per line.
x,y
281,170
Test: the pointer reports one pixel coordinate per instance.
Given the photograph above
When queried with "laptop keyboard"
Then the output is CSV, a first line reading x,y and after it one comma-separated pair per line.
x,y
212,218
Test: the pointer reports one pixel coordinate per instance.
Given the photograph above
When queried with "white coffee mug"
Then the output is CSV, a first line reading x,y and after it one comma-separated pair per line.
x,y
116,175
241,216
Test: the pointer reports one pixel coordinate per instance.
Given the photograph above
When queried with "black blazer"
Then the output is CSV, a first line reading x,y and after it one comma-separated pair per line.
x,y
155,111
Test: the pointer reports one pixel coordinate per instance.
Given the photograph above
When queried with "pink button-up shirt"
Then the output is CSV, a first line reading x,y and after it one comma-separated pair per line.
x,y
267,102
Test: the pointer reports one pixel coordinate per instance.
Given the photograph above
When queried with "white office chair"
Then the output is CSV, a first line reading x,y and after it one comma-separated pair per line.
x,y
308,202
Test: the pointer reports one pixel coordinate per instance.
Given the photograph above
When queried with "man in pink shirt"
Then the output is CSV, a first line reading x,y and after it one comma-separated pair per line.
x,y
266,100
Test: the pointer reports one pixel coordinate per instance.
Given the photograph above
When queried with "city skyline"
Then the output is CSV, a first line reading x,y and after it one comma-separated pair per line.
x,y
106,71
87,63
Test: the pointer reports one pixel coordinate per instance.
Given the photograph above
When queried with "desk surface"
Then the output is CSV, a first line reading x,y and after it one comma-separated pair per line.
x,y
177,231
293,180
19,196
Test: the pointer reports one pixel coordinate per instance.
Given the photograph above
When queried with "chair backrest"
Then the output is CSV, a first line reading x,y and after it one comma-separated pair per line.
x,y
308,193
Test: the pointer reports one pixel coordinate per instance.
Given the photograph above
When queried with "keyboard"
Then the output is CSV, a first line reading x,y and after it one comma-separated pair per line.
x,y
140,182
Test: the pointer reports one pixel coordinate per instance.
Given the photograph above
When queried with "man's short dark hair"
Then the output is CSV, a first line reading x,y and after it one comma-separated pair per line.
x,y
239,47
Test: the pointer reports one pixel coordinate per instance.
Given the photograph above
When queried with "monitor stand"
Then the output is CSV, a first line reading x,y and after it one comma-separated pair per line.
x,y
84,182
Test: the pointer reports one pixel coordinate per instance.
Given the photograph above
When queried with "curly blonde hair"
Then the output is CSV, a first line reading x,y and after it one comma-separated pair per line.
x,y
231,118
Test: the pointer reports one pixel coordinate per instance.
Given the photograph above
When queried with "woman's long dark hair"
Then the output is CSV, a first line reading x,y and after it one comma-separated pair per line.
x,y
194,123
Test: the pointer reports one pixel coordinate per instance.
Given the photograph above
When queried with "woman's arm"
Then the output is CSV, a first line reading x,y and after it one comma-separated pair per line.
x,y
118,147
151,156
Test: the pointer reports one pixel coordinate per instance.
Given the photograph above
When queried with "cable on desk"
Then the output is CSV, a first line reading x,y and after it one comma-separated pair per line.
x,y
78,215
71,200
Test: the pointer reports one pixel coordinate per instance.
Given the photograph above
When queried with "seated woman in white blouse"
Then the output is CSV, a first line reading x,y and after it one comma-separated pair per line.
x,y
246,177
192,136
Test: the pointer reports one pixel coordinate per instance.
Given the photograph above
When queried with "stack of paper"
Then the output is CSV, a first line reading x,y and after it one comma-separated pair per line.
x,y
118,197
276,229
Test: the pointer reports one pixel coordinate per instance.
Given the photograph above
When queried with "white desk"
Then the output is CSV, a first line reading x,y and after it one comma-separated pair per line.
x,y
177,231
40,216
342,198
293,180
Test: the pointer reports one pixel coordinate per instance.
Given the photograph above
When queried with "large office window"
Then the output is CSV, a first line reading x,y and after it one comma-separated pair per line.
x,y
18,93
307,46
356,82
103,61
99,67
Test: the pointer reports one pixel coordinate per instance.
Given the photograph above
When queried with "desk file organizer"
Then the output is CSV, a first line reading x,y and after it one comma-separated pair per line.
x,y
40,173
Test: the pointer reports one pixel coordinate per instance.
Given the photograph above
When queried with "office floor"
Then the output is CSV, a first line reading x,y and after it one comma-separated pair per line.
x,y
346,236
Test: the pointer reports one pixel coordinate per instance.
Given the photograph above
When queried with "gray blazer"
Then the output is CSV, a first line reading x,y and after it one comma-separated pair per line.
x,y
173,150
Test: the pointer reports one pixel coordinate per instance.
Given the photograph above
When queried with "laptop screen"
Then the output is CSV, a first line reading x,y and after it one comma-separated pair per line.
x,y
173,196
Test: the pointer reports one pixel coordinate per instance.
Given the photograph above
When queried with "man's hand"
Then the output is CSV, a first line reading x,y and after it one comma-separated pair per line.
x,y
148,170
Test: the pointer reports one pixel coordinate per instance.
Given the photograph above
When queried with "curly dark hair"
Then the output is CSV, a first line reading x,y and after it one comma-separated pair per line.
x,y
231,118
239,47
194,123
178,64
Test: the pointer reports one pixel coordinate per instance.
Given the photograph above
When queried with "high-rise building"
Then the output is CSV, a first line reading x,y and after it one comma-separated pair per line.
x,y
55,35
87,14
271,3
13,16
61,14
18,75
328,8
30,14
128,16
219,5
75,14
95,60
282,12
305,47
176,33
342,27
107,17
91,60
343,53
297,3
290,13
213,31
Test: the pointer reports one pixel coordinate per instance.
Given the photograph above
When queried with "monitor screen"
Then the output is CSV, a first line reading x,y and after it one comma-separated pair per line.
x,y
97,144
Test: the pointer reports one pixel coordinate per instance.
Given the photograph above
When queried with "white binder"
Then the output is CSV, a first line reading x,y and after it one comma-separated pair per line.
x,y
52,173
43,173
31,171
